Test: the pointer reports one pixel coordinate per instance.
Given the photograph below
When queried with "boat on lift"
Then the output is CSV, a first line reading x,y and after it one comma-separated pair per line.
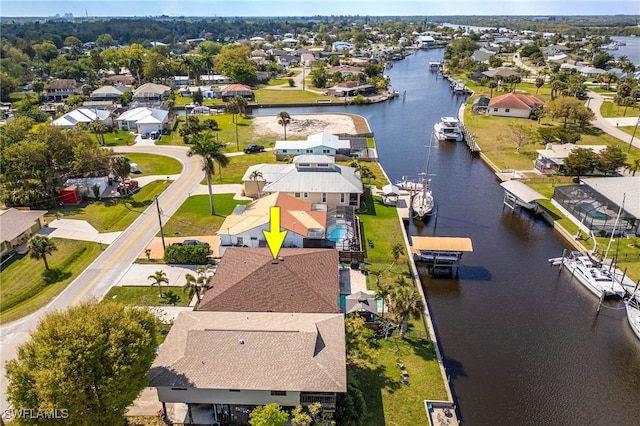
x,y
448,129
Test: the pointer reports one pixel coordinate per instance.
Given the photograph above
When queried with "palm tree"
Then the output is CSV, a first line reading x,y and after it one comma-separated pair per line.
x,y
405,303
158,279
209,151
41,246
191,287
539,84
382,291
284,119
633,167
492,85
233,107
120,166
396,251
254,176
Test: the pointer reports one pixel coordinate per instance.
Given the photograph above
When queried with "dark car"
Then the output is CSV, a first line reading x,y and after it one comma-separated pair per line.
x,y
253,148
194,243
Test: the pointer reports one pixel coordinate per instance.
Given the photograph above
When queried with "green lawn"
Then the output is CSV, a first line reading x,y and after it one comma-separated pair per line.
x,y
238,166
293,95
118,138
110,215
193,218
611,109
154,164
147,295
389,401
23,289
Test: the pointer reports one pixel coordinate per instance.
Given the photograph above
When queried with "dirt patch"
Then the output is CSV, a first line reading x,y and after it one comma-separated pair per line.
x,y
302,125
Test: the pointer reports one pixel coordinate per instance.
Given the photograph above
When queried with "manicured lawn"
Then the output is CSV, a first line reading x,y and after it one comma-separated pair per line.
x,y
193,218
294,95
23,289
147,295
238,166
389,401
154,164
611,109
112,215
118,138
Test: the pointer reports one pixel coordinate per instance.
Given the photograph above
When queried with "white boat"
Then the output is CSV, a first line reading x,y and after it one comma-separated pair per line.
x,y
422,199
409,183
448,129
593,275
633,313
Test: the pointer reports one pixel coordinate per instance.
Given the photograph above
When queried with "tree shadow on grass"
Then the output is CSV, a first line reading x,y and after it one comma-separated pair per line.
x,y
371,381
54,275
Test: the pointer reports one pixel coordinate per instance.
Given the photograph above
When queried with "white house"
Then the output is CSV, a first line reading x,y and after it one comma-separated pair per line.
x,y
143,120
318,144
315,179
83,116
514,105
297,217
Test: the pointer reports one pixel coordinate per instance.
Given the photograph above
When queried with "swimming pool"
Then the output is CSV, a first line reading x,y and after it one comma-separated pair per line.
x,y
588,209
338,233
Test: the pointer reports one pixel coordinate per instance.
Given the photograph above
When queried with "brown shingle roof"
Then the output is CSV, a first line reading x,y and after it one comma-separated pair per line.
x,y
62,84
307,280
253,351
515,101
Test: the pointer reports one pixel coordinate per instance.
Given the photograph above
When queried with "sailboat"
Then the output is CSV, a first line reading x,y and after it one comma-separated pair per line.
x,y
422,203
632,306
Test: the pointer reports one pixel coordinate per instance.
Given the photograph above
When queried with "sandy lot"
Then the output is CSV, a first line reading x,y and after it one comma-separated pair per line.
x,y
304,124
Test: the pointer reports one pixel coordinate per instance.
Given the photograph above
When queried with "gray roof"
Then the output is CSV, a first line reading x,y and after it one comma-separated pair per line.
x,y
253,351
14,222
617,188
361,302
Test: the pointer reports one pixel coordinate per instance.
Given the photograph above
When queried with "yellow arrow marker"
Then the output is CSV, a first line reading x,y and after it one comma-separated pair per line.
x,y
275,237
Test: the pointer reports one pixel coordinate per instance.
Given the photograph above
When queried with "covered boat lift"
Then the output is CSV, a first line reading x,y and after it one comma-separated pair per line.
x,y
441,254
517,194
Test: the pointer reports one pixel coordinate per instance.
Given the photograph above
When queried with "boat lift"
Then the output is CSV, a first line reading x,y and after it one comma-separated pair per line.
x,y
517,194
441,254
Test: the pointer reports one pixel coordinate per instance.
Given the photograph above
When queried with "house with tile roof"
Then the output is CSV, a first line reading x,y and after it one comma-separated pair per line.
x,y
143,120
300,280
245,226
232,90
224,364
315,179
514,105
17,226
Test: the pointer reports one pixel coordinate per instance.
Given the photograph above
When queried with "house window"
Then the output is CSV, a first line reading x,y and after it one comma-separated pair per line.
x,y
324,197
278,393
305,195
296,194
325,151
309,151
284,151
506,110
342,198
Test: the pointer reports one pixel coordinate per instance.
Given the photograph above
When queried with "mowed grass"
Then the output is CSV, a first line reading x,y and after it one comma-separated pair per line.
x,y
23,289
111,215
237,167
147,295
294,95
193,216
389,401
154,164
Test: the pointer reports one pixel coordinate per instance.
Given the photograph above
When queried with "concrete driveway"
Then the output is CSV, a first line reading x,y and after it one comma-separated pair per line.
x,y
77,230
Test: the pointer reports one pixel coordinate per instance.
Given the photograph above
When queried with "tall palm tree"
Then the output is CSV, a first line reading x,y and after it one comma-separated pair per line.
x,y
41,246
191,287
382,291
210,151
492,84
254,176
396,251
233,107
284,119
405,302
159,278
539,84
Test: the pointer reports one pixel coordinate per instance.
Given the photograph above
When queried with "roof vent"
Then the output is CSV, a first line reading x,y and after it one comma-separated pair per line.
x,y
274,262
241,341
281,259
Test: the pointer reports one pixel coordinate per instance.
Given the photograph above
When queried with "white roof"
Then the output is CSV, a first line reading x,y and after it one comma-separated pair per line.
x,y
81,115
617,188
335,179
144,115
562,151
522,191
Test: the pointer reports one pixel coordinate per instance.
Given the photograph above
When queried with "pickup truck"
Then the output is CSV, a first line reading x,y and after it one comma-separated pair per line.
x,y
253,148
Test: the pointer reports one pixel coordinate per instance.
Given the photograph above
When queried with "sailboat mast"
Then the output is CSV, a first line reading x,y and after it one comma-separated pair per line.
x,y
615,226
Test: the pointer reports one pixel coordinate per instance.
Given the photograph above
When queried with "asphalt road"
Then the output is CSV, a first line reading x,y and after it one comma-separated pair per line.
x,y
109,267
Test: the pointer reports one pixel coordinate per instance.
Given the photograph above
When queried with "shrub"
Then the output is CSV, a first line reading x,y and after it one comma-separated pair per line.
x,y
186,255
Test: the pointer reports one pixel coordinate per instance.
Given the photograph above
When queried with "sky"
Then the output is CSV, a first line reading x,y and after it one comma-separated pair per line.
x,y
208,8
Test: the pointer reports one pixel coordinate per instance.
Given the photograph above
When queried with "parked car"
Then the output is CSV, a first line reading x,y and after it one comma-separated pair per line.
x,y
128,186
194,243
253,148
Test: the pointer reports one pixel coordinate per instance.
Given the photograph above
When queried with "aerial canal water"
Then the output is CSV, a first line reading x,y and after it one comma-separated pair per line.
x,y
521,343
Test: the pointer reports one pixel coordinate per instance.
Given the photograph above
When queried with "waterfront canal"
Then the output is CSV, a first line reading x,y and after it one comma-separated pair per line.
x,y
521,343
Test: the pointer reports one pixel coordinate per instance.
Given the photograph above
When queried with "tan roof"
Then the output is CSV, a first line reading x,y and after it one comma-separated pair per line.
x,y
515,101
306,280
253,351
151,89
14,222
63,83
295,216
442,243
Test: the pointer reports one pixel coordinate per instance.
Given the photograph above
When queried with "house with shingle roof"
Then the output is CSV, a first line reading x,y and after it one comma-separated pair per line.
x,y
151,93
315,179
17,226
245,226
61,88
514,105
224,364
109,93
301,280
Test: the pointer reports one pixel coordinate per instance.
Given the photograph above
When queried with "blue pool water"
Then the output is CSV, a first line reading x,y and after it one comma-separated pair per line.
x,y
337,233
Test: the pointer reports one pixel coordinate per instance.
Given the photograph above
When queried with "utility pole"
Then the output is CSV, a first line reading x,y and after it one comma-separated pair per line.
x,y
164,247
633,135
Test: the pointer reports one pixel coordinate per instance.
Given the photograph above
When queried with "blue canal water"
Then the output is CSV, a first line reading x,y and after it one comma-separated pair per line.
x,y
522,343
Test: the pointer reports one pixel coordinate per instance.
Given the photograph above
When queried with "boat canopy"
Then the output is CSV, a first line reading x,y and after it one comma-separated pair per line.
x,y
453,244
521,191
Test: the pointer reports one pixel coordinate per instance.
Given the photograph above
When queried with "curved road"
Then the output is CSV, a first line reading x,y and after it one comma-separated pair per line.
x,y
109,267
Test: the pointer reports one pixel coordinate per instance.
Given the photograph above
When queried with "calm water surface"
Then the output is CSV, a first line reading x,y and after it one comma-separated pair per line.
x,y
522,343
